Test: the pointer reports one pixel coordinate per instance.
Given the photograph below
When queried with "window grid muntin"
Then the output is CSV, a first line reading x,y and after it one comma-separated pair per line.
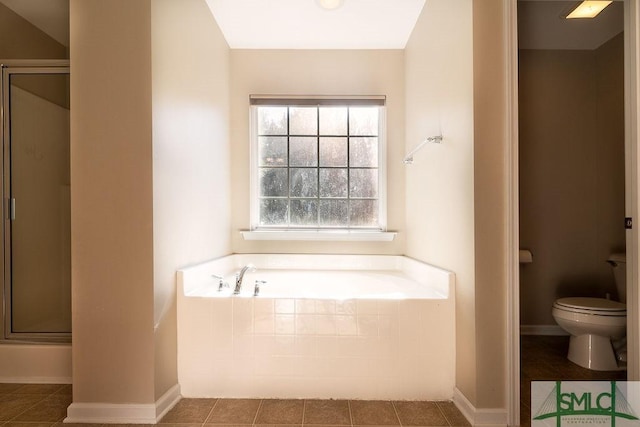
x,y
378,199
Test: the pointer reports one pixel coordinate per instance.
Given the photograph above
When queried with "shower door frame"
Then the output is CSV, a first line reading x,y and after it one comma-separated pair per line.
x,y
7,68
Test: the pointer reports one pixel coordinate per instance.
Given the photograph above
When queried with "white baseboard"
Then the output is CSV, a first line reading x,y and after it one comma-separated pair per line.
x,y
479,417
167,401
109,413
542,330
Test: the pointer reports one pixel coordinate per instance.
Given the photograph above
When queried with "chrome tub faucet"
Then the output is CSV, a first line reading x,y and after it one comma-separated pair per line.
x,y
240,276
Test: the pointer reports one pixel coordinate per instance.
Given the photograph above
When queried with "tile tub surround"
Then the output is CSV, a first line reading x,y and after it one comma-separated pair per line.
x,y
355,348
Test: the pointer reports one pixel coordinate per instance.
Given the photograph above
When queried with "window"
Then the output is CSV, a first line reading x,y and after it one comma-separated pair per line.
x,y
318,164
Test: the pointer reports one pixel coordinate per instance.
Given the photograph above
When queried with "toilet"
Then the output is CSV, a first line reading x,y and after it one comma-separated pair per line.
x,y
596,325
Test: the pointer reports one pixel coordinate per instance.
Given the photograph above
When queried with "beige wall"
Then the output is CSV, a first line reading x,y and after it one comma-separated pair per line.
x,y
571,173
490,202
439,185
112,201
191,165
317,72
19,39
150,182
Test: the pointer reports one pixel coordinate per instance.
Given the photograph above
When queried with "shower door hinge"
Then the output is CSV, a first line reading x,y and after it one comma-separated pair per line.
x,y
628,223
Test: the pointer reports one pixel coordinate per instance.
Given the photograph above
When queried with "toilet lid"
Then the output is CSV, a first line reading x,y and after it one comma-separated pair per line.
x,y
593,304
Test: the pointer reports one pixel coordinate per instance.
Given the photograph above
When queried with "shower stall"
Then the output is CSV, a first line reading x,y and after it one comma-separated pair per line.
x,y
36,208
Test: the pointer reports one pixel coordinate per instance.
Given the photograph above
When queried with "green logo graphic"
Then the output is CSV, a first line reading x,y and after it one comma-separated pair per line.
x,y
611,404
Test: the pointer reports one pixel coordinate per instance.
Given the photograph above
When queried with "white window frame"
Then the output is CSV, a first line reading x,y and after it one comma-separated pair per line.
x,y
258,232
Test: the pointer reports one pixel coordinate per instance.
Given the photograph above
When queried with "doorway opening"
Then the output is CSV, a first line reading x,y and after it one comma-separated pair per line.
x,y
617,190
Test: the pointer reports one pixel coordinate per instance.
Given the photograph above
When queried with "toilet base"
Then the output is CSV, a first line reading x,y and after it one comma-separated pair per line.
x,y
593,352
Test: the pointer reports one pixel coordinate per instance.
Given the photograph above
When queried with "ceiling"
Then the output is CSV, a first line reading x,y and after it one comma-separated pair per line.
x,y
302,24
541,25
358,24
51,16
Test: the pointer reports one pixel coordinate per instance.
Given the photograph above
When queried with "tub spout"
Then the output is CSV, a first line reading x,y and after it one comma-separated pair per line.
x,y
240,276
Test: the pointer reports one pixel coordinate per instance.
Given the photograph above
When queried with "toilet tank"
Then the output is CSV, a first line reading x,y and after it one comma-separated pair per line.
x,y
618,262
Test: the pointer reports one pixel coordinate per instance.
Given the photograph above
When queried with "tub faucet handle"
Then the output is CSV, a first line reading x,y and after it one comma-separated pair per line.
x,y
256,289
222,283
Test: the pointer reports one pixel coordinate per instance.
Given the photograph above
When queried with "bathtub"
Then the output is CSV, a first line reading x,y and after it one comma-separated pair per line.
x,y
322,326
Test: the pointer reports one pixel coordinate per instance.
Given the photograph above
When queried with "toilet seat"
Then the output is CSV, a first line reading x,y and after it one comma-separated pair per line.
x,y
592,306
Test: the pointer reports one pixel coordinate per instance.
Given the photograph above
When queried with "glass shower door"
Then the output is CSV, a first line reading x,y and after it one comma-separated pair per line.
x,y
37,214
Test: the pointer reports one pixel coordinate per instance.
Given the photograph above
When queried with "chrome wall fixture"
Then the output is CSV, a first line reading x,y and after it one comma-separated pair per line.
x,y
408,159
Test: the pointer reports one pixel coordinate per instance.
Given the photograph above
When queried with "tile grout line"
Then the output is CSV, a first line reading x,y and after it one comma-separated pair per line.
x,y
255,418
210,412
43,398
443,414
395,410
350,415
304,409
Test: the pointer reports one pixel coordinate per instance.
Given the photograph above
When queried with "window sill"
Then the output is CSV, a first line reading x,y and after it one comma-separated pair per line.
x,y
321,235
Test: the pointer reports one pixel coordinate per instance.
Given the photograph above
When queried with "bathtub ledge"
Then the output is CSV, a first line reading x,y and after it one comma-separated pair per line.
x,y
319,235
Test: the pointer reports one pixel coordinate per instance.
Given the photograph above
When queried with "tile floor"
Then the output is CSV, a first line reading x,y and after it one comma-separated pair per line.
x,y
31,405
544,358
238,412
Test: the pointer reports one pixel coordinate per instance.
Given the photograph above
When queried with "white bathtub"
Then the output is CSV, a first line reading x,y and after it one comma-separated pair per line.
x,y
323,326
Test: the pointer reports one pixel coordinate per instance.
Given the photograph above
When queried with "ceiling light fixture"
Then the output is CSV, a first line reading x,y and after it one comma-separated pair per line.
x,y
588,9
329,4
